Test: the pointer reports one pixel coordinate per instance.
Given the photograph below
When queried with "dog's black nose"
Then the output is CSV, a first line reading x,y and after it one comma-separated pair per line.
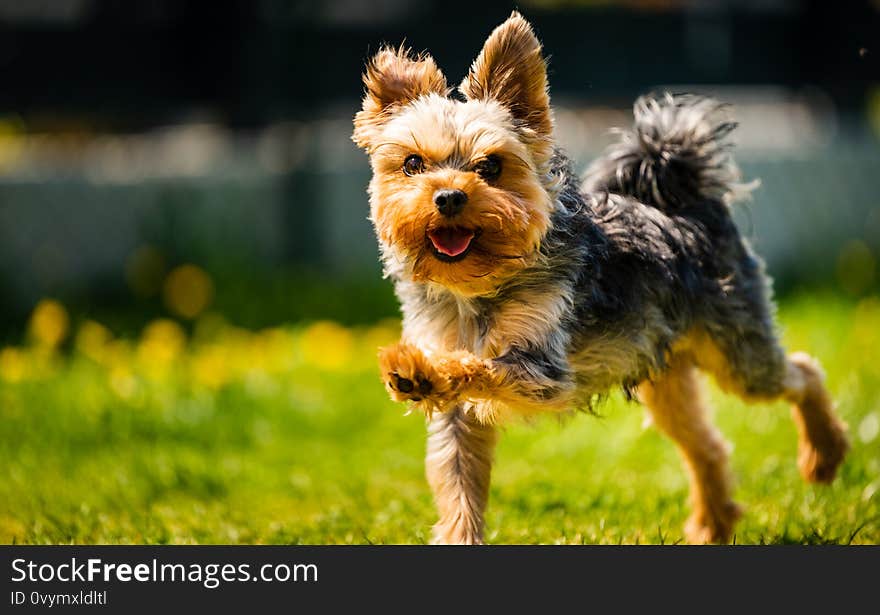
x,y
449,202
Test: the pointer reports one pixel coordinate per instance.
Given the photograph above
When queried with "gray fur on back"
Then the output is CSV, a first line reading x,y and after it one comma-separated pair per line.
x,y
676,154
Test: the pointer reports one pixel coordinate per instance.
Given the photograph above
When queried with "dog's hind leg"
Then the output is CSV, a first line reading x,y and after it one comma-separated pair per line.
x,y
822,441
675,402
755,368
458,467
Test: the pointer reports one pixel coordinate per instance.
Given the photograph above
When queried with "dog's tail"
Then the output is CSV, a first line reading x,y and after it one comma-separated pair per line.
x,y
676,155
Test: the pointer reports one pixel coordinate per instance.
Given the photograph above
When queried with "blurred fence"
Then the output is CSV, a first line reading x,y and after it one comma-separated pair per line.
x,y
81,215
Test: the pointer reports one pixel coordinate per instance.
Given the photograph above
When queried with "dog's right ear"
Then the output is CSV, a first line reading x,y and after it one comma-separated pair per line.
x,y
394,77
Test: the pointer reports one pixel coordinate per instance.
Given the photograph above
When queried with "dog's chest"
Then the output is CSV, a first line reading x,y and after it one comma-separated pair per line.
x,y
488,328
448,323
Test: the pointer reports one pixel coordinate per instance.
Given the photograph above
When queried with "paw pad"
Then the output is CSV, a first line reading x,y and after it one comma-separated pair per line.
x,y
418,387
425,386
404,385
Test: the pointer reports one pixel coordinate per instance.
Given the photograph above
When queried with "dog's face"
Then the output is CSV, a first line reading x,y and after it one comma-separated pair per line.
x,y
460,188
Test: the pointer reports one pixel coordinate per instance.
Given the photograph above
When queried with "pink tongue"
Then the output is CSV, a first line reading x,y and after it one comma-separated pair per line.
x,y
451,241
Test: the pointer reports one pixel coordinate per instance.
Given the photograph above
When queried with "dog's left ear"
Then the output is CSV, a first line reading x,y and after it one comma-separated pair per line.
x,y
511,69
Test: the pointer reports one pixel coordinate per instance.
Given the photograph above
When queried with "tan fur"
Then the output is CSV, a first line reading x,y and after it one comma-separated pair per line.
x,y
676,405
712,360
822,441
510,216
507,114
458,464
455,377
677,408
394,77
527,318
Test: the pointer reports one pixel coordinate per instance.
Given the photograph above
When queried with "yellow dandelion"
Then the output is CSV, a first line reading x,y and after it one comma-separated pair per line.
x,y
13,365
272,349
188,291
210,367
92,339
161,343
116,354
49,323
327,345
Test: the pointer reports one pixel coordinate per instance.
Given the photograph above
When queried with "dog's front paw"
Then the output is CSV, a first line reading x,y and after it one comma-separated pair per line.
x,y
407,389
410,376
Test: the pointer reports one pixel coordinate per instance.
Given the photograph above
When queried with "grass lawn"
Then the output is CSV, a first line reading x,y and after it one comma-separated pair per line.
x,y
286,436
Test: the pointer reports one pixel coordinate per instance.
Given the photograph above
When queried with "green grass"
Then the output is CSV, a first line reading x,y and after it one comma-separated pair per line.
x,y
288,437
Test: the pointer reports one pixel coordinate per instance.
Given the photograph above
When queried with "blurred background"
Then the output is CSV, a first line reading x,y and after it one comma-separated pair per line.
x,y
191,300
136,138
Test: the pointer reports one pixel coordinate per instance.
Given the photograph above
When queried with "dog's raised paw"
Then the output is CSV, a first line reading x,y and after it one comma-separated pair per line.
x,y
410,376
404,385
416,389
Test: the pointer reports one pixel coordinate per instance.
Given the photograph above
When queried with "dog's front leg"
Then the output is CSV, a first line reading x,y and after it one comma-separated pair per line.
x,y
469,393
526,381
458,464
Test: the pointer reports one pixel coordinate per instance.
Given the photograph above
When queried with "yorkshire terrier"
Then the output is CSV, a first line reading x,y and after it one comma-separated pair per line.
x,y
527,289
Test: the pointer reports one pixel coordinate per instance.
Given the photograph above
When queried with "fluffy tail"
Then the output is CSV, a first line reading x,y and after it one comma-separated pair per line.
x,y
676,155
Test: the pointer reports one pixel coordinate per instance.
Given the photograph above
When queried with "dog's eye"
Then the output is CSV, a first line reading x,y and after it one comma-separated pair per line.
x,y
489,168
413,165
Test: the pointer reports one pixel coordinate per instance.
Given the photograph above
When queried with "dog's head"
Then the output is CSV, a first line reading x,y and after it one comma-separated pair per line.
x,y
460,187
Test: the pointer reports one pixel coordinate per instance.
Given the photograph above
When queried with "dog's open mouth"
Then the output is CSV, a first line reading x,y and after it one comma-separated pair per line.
x,y
451,243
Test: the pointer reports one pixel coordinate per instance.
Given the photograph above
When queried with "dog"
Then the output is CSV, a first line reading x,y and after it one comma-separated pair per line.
x,y
525,289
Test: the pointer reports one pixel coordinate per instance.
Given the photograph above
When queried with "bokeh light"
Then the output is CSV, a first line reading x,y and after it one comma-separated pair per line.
x,y
187,291
92,339
161,343
49,323
12,364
